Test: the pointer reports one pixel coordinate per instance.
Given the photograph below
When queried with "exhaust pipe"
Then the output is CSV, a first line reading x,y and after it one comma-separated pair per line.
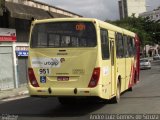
x,y
49,90
75,91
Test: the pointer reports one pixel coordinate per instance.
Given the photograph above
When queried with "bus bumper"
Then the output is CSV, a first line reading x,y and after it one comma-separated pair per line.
x,y
50,91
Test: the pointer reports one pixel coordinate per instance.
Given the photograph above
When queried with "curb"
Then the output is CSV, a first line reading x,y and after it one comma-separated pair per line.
x,y
22,93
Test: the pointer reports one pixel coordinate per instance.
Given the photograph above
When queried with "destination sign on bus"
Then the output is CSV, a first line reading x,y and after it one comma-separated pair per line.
x,y
80,27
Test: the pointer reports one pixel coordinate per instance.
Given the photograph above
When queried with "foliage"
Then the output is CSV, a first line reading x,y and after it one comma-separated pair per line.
x,y
147,30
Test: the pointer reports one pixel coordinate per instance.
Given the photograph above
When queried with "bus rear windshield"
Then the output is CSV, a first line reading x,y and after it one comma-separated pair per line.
x,y
63,34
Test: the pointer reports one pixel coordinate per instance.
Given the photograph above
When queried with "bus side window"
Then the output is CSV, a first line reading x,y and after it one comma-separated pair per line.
x,y
134,47
104,44
130,46
119,45
126,51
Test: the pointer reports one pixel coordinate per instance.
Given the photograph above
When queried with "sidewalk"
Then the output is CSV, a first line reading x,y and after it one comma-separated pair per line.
x,y
4,94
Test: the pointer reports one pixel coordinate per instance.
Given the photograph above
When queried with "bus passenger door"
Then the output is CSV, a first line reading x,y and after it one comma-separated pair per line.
x,y
112,56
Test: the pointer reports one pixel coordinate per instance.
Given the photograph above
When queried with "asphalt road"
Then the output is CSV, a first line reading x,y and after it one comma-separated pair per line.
x,y
145,98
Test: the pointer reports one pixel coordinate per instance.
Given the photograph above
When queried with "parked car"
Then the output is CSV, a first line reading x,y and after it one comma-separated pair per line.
x,y
145,63
156,57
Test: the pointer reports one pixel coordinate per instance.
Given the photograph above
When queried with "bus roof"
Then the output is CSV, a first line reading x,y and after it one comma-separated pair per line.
x,y
116,28
101,24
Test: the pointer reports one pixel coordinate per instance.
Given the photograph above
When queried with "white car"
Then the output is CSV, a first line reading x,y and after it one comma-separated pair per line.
x,y
156,57
145,63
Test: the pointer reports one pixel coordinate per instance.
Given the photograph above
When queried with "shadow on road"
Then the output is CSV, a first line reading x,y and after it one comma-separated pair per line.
x,y
48,107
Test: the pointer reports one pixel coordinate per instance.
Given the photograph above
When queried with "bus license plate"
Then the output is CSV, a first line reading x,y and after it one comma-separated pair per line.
x,y
62,78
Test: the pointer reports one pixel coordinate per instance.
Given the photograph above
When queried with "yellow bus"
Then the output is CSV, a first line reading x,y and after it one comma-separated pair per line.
x,y
81,57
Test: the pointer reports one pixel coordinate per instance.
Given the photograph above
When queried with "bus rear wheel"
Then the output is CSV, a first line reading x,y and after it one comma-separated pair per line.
x,y
116,99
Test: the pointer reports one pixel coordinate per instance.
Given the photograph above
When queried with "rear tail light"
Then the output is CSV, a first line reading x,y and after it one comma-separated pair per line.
x,y
32,78
95,78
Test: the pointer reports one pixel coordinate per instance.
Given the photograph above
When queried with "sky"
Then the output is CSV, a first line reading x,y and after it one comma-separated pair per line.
x,y
100,9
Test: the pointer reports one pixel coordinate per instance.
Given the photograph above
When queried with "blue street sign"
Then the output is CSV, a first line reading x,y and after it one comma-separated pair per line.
x,y
22,53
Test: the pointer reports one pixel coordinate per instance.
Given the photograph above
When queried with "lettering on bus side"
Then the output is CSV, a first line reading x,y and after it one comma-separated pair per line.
x,y
78,71
44,71
46,62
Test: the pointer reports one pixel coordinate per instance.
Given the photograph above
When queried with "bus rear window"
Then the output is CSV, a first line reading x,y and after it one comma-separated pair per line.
x,y
63,34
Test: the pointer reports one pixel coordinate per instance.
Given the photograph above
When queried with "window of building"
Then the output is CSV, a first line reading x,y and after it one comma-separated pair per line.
x,y
157,15
151,17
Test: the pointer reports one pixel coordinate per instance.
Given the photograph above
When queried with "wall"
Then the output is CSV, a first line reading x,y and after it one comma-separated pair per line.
x,y
7,76
136,7
131,7
153,15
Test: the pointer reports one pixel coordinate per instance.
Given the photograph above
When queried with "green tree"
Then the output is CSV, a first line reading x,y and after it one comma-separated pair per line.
x,y
147,30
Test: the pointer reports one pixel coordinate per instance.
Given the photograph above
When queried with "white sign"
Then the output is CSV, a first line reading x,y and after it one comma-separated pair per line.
x,y
105,71
46,62
7,34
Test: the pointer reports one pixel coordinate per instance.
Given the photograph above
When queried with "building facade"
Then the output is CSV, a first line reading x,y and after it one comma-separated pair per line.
x,y
15,20
151,50
129,8
152,15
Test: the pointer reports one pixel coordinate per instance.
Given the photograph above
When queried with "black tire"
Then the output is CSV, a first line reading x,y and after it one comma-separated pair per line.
x,y
130,89
116,99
